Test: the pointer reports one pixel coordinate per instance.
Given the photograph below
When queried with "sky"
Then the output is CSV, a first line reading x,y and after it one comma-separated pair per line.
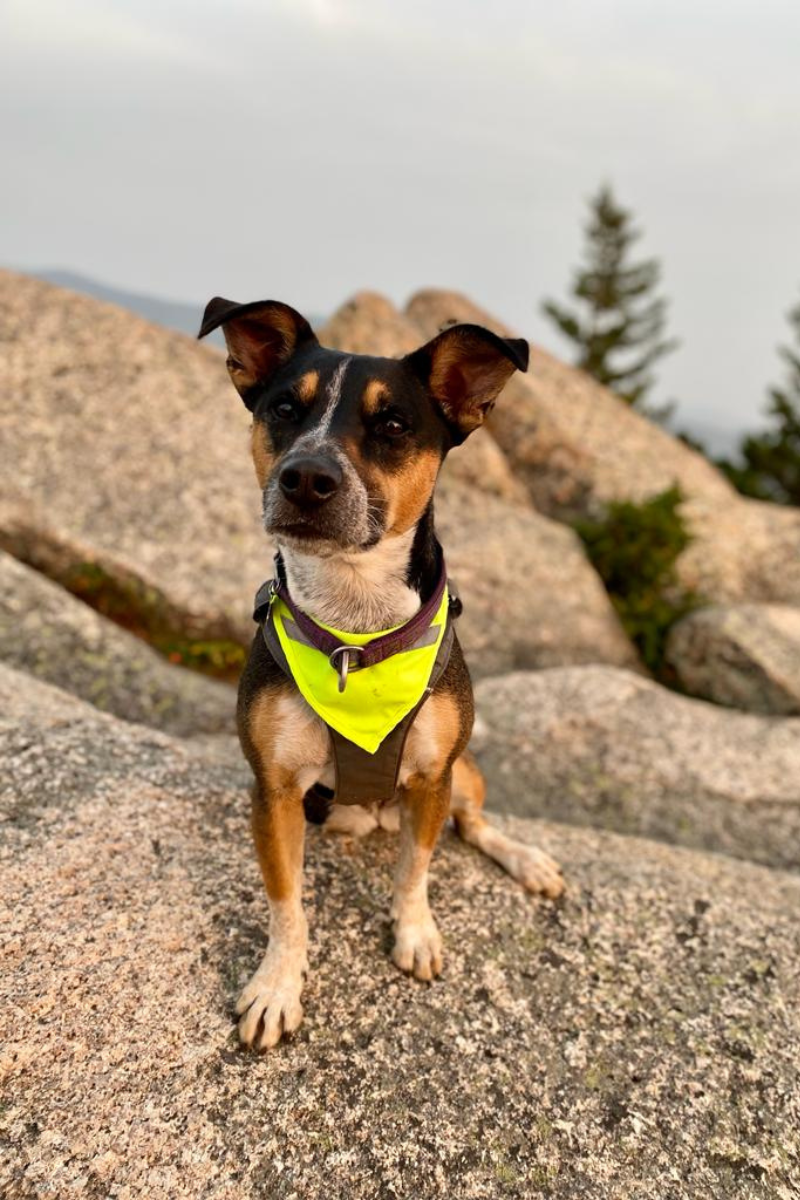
x,y
302,150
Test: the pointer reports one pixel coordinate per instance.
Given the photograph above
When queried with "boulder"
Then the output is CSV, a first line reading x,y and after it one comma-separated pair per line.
x,y
130,453
166,521
576,447
744,551
746,656
370,324
530,597
636,1039
47,632
605,747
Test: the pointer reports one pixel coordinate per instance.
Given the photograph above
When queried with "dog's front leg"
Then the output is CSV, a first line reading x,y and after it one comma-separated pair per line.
x,y
424,805
270,1003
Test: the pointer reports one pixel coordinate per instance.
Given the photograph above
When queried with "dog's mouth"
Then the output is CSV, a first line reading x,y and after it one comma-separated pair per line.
x,y
313,539
350,522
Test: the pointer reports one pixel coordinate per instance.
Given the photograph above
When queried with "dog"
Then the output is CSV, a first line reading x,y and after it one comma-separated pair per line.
x,y
347,449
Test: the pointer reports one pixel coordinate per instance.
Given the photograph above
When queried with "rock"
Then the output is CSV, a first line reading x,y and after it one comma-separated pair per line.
x,y
599,746
370,324
577,447
130,453
481,465
47,632
573,442
641,1032
530,597
743,551
746,656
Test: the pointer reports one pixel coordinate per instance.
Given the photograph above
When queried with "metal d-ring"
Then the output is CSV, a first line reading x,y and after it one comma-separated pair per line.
x,y
343,666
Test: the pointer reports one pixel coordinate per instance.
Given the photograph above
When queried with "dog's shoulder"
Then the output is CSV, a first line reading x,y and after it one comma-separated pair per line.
x,y
260,677
455,685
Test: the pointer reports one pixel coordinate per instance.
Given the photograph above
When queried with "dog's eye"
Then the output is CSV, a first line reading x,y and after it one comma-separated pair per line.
x,y
285,410
392,426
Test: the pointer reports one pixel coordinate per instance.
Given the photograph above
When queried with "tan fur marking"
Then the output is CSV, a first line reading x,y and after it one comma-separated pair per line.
x,y
287,740
262,455
427,803
410,490
306,386
278,821
375,393
289,736
432,740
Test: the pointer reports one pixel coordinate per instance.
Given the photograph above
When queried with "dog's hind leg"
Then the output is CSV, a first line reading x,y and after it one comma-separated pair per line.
x,y
534,869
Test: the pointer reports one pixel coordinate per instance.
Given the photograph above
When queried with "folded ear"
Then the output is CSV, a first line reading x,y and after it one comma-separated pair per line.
x,y
465,368
260,337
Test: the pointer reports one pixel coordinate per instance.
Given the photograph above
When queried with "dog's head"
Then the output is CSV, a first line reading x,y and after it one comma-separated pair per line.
x,y
347,447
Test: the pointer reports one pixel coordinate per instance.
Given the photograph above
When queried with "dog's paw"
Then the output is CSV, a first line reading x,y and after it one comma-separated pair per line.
x,y
535,870
418,947
389,818
350,818
269,1005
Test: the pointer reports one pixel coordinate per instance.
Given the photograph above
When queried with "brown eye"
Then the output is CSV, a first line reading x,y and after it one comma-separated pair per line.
x,y
285,411
393,427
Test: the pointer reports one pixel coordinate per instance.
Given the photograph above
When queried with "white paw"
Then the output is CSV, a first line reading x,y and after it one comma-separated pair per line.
x,y
535,870
418,947
270,1003
389,818
350,818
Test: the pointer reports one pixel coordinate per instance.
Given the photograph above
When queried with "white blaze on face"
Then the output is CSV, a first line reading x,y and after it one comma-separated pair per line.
x,y
333,394
352,501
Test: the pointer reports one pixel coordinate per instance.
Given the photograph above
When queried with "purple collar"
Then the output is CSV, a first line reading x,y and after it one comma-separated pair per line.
x,y
371,653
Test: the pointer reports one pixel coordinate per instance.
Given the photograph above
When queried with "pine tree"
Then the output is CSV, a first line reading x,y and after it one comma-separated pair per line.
x,y
770,467
618,327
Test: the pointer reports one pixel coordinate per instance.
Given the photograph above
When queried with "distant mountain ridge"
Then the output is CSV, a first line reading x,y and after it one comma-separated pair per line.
x,y
173,314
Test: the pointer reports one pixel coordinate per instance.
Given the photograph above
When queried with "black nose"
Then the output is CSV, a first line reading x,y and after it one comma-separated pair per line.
x,y
310,480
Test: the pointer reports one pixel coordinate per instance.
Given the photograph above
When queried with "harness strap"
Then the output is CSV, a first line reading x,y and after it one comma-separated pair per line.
x,y
363,778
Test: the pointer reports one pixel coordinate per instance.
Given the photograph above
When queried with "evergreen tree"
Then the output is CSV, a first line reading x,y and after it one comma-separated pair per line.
x,y
770,466
618,325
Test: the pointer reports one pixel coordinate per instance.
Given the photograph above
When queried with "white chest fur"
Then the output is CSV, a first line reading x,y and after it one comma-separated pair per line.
x,y
358,592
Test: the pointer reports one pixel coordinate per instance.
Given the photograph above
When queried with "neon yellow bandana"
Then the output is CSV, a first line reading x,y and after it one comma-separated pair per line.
x,y
376,698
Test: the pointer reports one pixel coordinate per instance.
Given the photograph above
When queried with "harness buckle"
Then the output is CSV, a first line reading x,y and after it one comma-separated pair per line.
x,y
343,665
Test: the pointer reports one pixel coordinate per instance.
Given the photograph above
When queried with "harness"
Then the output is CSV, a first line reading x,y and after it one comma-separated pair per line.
x,y
366,688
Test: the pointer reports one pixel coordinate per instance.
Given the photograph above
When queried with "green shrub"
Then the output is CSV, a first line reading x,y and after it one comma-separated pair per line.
x,y
634,548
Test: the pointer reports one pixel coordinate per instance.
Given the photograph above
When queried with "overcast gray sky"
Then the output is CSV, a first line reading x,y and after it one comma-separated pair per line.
x,y
303,149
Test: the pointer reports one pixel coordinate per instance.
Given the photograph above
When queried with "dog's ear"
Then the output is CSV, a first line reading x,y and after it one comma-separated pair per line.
x,y
465,368
261,337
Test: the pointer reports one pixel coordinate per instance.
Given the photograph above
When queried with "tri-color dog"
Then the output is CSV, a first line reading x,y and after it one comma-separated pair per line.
x,y
347,449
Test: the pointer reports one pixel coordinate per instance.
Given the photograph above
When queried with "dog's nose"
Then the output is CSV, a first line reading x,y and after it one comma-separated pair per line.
x,y
310,480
